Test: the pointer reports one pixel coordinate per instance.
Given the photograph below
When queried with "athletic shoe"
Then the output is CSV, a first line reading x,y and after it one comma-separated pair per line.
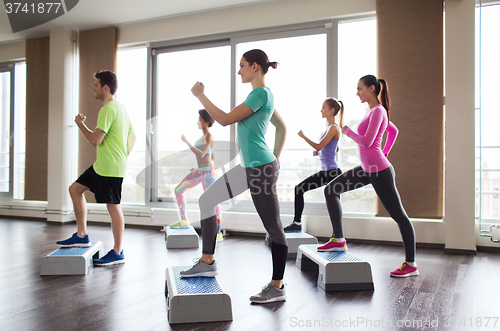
x,y
333,245
405,270
220,237
110,259
75,241
269,293
201,269
181,224
293,227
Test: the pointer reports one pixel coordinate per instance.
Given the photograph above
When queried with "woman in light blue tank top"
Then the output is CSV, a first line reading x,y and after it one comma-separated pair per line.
x,y
204,174
326,150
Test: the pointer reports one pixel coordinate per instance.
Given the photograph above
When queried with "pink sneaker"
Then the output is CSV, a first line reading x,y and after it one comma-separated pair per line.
x,y
405,270
333,245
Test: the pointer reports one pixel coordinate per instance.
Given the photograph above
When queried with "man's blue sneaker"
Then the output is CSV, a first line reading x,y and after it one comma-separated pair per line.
x,y
75,241
110,259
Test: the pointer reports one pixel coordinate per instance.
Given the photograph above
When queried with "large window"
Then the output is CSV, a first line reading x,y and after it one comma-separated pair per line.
x,y
12,129
132,90
176,112
19,129
316,61
487,112
299,88
5,130
356,59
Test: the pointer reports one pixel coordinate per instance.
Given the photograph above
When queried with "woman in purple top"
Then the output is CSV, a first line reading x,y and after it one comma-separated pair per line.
x,y
326,149
375,169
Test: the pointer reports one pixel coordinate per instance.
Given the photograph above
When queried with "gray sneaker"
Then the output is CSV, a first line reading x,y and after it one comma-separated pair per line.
x,y
270,293
201,269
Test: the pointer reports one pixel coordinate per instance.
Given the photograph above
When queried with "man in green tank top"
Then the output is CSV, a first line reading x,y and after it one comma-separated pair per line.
x,y
114,139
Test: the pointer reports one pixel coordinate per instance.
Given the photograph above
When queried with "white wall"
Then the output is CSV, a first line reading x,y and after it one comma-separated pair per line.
x,y
459,212
61,123
242,18
12,51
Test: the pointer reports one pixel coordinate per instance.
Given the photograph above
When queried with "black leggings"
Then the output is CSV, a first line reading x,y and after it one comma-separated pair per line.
x,y
321,178
385,186
261,181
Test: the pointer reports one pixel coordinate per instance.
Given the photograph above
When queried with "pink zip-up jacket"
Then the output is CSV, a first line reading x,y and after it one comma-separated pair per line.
x,y
369,139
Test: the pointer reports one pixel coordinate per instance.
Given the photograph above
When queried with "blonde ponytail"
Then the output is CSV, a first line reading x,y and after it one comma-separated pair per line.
x,y
341,115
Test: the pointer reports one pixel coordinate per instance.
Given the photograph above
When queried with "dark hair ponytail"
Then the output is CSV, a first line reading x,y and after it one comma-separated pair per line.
x,y
258,56
381,91
273,65
384,96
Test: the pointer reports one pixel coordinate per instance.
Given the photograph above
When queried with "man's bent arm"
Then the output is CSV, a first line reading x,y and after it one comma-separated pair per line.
x,y
93,137
131,142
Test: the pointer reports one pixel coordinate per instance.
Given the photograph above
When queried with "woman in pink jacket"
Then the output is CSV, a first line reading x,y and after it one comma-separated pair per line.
x,y
375,169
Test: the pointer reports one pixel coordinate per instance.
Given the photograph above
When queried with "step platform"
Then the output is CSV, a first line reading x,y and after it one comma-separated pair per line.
x,y
294,240
71,260
338,271
195,299
182,238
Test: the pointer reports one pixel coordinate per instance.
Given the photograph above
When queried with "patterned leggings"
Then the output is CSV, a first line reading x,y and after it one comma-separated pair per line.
x,y
204,175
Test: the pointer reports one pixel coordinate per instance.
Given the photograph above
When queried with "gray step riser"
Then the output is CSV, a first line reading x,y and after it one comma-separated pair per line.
x,y
337,271
182,238
294,240
63,261
197,299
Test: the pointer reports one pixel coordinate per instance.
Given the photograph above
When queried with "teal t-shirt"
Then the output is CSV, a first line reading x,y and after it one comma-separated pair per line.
x,y
252,130
111,155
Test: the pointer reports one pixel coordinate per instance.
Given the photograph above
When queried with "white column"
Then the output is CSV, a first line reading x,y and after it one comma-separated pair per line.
x,y
61,149
459,206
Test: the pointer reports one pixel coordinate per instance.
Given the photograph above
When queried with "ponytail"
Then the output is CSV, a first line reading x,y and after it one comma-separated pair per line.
x,y
384,96
341,115
260,57
339,108
273,65
381,91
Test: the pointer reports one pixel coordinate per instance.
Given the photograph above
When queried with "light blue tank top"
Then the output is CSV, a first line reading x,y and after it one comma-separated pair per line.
x,y
328,153
199,144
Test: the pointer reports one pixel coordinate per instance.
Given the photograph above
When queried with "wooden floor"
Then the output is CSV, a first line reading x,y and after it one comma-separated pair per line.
x,y
459,292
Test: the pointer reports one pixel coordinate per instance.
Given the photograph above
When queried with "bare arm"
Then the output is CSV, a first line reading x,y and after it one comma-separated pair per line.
x,y
131,142
333,133
237,114
279,140
93,137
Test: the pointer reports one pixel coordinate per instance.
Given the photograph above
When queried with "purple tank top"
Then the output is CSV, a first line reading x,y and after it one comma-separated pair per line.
x,y
328,153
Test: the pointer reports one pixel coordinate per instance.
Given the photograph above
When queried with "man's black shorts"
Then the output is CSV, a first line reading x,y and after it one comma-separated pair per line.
x,y
105,189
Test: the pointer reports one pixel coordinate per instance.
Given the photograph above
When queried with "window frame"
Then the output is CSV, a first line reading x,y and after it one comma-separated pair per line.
x,y
329,27
480,171
10,67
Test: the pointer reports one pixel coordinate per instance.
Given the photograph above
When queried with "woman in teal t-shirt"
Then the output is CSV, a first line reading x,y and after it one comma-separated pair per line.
x,y
258,172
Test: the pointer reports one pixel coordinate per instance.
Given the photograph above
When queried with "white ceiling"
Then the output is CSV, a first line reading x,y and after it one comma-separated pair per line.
x,y
90,14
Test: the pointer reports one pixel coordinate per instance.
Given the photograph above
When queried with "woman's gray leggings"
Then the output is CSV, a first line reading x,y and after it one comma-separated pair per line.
x,y
385,186
261,181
